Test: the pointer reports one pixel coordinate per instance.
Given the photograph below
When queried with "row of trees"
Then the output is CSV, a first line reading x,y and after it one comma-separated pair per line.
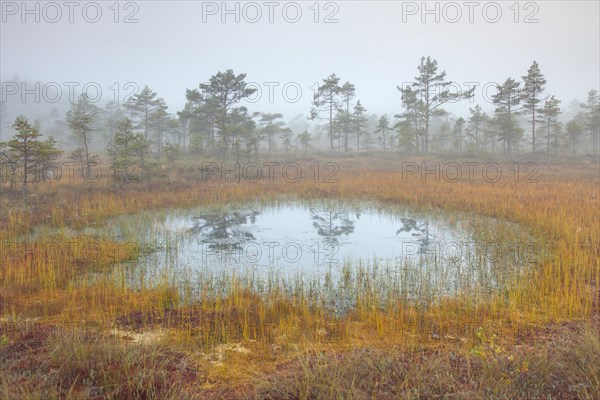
x,y
214,123
514,100
502,131
516,104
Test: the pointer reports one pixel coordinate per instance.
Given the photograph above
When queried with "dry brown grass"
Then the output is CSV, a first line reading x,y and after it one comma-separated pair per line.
x,y
344,359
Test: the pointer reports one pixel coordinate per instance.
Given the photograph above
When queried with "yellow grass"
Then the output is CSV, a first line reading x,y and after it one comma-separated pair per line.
x,y
561,210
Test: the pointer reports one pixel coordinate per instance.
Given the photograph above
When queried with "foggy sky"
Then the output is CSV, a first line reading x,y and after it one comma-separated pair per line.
x,y
374,45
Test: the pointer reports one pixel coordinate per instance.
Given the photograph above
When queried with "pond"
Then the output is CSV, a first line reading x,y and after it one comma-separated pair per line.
x,y
297,238
327,244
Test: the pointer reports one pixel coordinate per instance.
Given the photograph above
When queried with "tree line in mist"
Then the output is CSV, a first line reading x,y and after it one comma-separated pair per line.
x,y
213,124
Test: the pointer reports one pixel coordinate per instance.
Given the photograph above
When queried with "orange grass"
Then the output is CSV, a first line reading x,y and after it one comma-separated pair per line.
x,y
561,210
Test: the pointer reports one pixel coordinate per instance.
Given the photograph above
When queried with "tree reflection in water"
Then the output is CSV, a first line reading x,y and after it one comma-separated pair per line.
x,y
331,225
231,230
417,229
224,230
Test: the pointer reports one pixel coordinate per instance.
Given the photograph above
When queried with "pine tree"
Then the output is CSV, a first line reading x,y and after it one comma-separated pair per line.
x,y
80,119
184,117
443,137
574,130
28,151
271,126
158,123
428,93
532,90
477,121
592,119
345,119
304,139
549,115
242,132
507,99
326,101
492,131
140,107
458,133
382,127
130,154
199,117
406,136
223,91
172,151
120,150
360,122
140,149
410,123
286,137
111,116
